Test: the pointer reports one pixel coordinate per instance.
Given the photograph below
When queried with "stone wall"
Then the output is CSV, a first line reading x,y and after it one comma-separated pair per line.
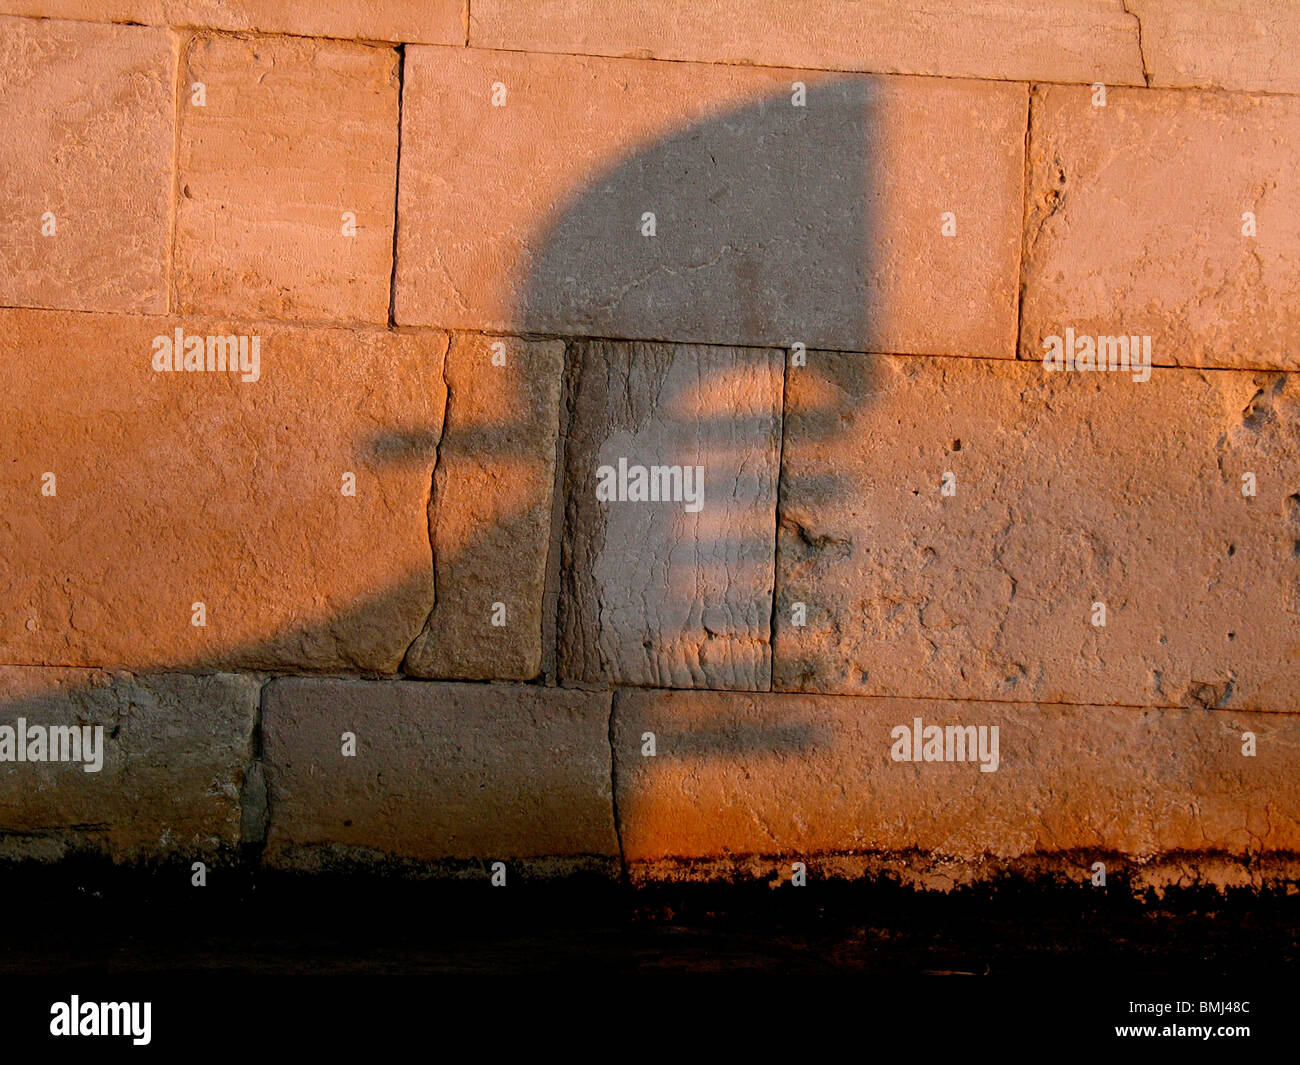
x,y
626,438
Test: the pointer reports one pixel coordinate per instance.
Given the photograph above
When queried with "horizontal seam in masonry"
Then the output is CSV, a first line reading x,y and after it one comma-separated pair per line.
x,y
1026,80
355,325
472,47
454,331
267,675
1008,359
902,697
245,34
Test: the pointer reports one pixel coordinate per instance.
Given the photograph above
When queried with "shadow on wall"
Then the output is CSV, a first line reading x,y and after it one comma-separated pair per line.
x,y
751,226
762,231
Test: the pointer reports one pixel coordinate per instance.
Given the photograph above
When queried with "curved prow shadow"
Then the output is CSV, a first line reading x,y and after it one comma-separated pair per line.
x,y
750,227
762,232
677,356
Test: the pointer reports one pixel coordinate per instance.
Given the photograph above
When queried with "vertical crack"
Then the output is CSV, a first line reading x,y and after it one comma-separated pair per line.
x,y
1142,52
397,184
254,795
552,595
776,523
1027,192
613,792
180,88
431,516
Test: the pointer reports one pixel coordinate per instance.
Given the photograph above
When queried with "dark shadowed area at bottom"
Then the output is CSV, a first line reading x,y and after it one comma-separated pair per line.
x,y
82,919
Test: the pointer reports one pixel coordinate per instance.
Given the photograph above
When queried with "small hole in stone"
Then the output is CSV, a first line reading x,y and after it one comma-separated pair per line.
x,y
956,445
1232,550
1295,549
347,824
1232,636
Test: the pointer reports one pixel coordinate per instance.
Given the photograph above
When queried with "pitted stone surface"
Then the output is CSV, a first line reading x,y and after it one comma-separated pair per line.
x,y
1228,44
1069,489
796,777
295,146
1136,224
89,120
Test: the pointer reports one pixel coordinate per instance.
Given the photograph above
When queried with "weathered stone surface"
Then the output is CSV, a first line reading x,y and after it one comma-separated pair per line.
x,y
490,510
1066,40
174,752
442,772
1229,44
294,134
427,21
1071,489
798,776
1136,224
177,488
773,223
672,593
88,119
1139,877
